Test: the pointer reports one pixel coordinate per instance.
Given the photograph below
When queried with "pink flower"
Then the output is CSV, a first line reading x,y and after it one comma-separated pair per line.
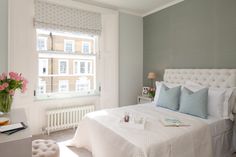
x,y
5,85
12,92
13,75
2,88
3,76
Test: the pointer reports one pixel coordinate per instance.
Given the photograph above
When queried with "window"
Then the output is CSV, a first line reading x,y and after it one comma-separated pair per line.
x,y
43,67
42,87
86,47
63,67
42,43
69,45
63,86
83,85
83,67
64,74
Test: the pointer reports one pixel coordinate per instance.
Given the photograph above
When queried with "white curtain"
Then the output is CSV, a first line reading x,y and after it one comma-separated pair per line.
x,y
61,18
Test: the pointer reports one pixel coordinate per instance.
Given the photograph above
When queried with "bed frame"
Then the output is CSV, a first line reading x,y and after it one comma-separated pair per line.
x,y
219,78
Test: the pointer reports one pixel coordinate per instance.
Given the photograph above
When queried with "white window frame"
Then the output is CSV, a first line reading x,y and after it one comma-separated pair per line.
x,y
45,39
59,66
86,67
78,82
86,42
63,82
40,68
66,41
42,84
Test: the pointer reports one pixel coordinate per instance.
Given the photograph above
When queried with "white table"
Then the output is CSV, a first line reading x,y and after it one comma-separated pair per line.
x,y
144,99
18,144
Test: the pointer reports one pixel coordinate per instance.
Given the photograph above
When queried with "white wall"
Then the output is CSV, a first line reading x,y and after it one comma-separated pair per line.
x,y
3,35
23,58
130,58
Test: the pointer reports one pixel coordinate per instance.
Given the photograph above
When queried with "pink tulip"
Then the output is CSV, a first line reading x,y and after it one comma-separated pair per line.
x,y
5,85
2,88
13,75
4,76
12,92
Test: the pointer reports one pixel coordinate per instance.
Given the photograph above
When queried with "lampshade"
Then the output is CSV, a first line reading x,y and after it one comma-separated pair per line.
x,y
151,75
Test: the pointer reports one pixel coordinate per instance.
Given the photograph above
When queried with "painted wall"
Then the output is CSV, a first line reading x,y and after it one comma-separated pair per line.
x,y
130,58
23,58
191,34
3,35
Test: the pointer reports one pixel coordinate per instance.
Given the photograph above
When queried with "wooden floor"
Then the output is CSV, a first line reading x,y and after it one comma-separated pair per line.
x,y
61,137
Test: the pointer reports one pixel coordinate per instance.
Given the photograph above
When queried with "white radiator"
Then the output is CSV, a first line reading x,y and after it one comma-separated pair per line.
x,y
64,118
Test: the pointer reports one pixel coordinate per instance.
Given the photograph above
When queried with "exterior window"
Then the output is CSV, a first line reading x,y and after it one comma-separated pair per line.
x,y
43,67
82,85
86,47
42,43
63,86
42,87
63,67
69,45
83,67
64,75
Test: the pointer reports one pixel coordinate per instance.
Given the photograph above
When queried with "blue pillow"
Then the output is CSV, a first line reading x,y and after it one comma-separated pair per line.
x,y
194,103
169,97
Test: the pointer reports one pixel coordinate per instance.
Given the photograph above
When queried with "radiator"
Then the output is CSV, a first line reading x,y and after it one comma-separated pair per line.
x,y
64,118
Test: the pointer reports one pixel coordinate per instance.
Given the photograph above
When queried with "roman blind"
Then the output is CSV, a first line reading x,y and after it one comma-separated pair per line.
x,y
56,17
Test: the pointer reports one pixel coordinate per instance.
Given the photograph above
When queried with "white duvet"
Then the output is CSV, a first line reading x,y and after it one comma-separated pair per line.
x,y
100,133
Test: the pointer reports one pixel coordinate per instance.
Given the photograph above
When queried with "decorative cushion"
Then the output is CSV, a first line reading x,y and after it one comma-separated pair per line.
x,y
158,88
194,103
169,97
45,148
219,102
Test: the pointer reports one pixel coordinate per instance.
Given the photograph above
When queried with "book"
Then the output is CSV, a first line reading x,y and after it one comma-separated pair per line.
x,y
12,128
173,122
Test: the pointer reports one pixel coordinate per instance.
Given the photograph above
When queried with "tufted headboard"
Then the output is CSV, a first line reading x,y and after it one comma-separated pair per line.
x,y
224,78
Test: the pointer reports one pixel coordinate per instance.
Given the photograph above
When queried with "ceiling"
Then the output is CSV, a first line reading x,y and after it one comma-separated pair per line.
x,y
137,7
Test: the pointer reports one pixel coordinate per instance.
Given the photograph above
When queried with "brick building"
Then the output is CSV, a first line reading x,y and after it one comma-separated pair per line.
x,y
66,62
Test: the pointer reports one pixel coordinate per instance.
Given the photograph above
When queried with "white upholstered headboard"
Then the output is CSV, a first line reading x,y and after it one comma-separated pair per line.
x,y
225,78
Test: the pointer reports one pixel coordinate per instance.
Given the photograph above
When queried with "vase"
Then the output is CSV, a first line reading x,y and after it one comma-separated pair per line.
x,y
5,103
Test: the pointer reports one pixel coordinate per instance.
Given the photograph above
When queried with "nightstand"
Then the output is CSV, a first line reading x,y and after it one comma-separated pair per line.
x,y
144,99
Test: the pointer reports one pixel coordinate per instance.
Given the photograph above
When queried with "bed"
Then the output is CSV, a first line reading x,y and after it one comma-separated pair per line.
x,y
101,133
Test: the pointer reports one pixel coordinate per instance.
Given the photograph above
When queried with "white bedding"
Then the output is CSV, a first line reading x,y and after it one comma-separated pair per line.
x,y
100,133
221,132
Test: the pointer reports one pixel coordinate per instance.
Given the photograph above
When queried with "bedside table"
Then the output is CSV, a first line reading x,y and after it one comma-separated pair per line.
x,y
144,99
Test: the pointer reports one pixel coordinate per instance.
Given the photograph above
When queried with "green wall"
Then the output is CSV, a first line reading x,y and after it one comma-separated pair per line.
x,y
3,35
191,34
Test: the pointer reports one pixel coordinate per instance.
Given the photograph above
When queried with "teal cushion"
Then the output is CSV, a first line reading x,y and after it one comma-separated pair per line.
x,y
194,103
169,97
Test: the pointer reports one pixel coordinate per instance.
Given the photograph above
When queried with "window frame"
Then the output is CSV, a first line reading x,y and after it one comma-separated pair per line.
x,y
90,47
59,66
60,83
66,41
45,39
86,67
77,83
42,84
41,74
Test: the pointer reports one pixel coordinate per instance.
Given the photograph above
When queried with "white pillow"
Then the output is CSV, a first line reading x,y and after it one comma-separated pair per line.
x,y
158,88
218,100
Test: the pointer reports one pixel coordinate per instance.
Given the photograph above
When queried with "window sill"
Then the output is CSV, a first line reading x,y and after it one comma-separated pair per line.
x,y
50,98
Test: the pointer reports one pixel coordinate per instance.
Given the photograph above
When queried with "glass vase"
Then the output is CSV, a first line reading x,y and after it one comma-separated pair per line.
x,y
5,103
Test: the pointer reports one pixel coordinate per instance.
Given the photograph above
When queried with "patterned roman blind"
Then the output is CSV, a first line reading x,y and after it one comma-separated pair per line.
x,y
62,18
